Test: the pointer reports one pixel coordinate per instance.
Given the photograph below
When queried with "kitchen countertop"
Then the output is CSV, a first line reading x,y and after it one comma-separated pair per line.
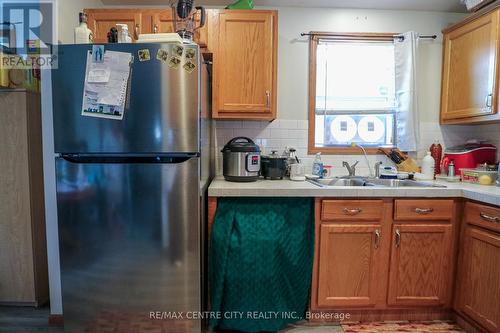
x,y
287,188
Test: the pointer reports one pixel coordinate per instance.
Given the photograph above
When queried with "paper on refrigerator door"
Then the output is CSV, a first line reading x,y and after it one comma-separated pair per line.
x,y
105,88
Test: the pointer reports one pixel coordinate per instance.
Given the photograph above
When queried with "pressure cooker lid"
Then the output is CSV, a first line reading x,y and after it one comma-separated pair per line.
x,y
241,144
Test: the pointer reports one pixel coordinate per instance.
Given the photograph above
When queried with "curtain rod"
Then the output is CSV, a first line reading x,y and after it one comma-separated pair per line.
x,y
361,35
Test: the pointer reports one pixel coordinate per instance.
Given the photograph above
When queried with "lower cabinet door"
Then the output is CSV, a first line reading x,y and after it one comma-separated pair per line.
x,y
419,265
349,263
480,288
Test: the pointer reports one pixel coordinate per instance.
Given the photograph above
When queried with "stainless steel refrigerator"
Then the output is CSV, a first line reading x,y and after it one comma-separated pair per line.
x,y
130,194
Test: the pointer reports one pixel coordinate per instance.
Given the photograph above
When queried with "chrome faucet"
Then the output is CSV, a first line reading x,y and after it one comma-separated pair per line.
x,y
350,168
377,169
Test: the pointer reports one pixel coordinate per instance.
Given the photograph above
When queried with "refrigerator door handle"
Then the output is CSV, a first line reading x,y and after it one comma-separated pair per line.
x,y
128,158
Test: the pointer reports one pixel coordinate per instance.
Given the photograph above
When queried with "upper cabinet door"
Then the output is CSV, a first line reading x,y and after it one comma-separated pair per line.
x,y
420,262
100,21
245,65
470,71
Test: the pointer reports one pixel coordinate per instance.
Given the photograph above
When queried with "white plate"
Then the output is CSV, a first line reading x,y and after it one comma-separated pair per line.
x,y
309,176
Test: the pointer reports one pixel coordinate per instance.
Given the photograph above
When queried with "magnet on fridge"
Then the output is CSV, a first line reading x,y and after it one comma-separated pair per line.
x,y
178,50
162,55
174,62
189,66
144,55
190,54
98,53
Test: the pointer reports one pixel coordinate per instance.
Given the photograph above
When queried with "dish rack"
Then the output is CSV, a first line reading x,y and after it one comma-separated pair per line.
x,y
474,5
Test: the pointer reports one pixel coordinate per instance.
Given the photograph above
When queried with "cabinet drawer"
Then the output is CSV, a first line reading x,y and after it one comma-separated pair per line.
x,y
352,210
414,210
483,216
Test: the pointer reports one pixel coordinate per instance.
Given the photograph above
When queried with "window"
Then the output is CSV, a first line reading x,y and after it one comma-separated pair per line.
x,y
352,93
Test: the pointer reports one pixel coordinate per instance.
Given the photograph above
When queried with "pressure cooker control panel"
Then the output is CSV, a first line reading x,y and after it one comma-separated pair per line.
x,y
253,163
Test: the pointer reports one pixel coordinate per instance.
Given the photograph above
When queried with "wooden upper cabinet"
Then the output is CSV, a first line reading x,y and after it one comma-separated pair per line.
x,y
245,64
480,287
420,264
470,71
100,21
350,263
140,21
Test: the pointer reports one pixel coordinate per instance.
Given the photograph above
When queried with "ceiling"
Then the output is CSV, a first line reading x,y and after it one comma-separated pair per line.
x,y
425,5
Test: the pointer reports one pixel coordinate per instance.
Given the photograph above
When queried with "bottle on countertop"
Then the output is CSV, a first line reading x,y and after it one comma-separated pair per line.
x,y
428,166
113,35
437,153
83,35
451,169
317,168
123,35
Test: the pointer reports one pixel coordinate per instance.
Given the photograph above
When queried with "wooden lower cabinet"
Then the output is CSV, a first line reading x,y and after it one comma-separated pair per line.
x,y
349,264
420,263
388,258
480,281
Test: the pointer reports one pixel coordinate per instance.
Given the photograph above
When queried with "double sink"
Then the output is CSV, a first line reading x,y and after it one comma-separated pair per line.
x,y
372,182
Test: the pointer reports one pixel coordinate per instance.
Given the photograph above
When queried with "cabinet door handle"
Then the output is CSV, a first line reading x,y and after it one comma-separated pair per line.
x,y
268,99
353,211
487,101
377,238
136,30
424,210
398,238
155,28
490,218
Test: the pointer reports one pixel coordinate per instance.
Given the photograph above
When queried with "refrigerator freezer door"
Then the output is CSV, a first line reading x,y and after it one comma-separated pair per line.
x,y
162,115
129,244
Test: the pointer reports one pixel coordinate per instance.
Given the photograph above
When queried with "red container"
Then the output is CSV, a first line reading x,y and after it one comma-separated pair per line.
x,y
468,156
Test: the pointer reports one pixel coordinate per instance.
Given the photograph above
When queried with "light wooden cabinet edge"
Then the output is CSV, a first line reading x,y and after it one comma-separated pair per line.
x,y
26,228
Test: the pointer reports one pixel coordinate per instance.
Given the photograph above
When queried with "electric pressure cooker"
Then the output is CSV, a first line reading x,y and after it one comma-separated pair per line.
x,y
241,160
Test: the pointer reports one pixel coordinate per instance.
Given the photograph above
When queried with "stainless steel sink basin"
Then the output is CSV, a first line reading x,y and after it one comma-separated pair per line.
x,y
372,182
401,183
341,182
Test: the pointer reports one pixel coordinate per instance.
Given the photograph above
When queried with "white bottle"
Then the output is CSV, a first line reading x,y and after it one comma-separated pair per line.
x,y
317,168
428,166
123,35
83,35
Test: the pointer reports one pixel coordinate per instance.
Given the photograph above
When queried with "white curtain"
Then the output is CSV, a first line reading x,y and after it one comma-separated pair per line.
x,y
407,121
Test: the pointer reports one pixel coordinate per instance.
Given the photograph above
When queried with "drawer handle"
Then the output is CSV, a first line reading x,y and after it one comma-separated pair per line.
x,y
490,218
398,238
377,238
353,211
424,211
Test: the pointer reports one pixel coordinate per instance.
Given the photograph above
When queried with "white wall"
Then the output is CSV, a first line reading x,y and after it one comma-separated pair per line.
x,y
293,50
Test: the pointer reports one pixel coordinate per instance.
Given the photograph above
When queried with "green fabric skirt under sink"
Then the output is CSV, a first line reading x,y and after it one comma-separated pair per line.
x,y
261,256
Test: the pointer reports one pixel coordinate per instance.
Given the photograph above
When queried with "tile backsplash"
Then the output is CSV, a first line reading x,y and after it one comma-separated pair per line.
x,y
283,133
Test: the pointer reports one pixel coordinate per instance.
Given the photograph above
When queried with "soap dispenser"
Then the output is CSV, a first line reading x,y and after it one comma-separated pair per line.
x,y
317,168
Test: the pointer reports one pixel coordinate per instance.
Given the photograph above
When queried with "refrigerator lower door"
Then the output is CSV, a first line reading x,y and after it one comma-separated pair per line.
x,y
129,245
